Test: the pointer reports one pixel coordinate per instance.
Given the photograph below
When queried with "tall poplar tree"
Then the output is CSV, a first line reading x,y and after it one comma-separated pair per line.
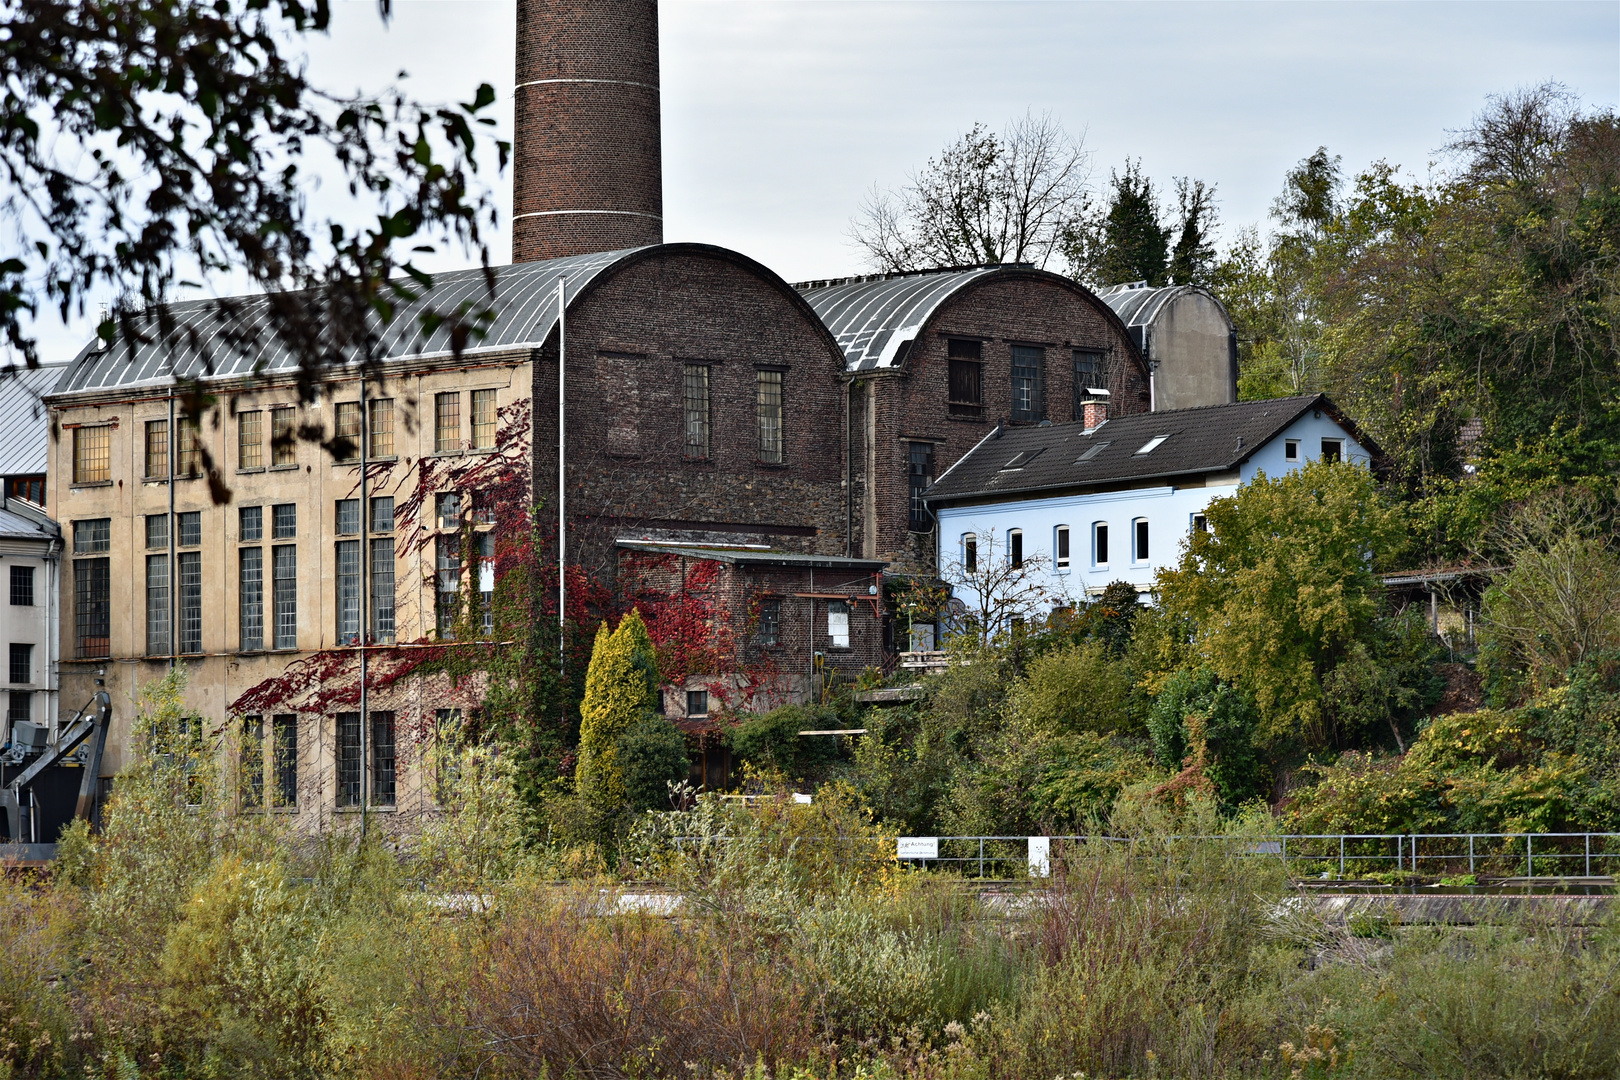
x,y
619,691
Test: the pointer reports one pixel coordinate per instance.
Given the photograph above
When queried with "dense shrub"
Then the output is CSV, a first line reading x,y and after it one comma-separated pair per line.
x,y
772,742
652,756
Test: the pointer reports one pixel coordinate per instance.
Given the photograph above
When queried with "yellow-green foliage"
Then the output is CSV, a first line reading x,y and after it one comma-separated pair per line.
x,y
619,688
1473,772
1075,688
1282,585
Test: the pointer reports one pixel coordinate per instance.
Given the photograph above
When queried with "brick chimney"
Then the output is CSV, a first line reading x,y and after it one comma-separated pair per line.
x,y
587,172
1094,413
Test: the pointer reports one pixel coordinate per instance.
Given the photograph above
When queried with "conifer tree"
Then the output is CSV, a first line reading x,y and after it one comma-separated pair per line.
x,y
619,689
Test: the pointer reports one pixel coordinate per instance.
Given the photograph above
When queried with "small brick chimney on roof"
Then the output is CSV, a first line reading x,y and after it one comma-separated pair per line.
x,y
587,171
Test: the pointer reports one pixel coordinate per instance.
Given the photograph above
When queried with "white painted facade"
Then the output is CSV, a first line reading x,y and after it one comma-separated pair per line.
x,y
30,562
1168,512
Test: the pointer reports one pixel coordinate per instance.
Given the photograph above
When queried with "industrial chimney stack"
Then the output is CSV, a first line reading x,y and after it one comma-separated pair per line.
x,y
588,170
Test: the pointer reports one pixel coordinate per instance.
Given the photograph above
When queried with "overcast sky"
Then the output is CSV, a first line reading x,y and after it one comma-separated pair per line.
x,y
779,116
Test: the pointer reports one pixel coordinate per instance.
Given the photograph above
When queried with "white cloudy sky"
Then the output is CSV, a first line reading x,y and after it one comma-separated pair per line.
x,y
778,116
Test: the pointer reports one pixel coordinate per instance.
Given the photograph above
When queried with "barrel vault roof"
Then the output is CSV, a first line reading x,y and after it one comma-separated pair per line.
x,y
1138,304
871,317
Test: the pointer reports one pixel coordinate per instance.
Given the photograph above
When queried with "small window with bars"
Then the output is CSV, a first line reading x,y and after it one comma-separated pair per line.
x,y
250,440
283,437
251,601
348,592
965,360
92,607
21,665
348,517
382,428
695,407
382,514
92,535
770,621
284,584
250,527
190,531
190,571
349,764
483,419
92,454
346,431
768,413
1027,364
157,605
447,423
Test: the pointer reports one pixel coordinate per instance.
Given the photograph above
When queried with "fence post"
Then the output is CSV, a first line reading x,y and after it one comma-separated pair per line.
x,y
1470,854
1588,855
981,856
1400,852
1341,856
1529,857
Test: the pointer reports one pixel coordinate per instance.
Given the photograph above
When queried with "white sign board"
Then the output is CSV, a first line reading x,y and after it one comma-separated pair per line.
x,y
1040,856
917,847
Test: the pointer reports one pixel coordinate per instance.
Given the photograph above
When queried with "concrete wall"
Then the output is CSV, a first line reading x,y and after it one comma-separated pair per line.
x,y
312,679
1190,344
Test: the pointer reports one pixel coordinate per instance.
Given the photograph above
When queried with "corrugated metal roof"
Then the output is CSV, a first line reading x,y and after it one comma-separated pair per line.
x,y
1211,439
215,344
24,428
871,317
18,527
1138,305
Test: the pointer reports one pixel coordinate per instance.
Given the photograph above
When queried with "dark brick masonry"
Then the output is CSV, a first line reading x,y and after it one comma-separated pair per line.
x,y
897,408
587,119
629,338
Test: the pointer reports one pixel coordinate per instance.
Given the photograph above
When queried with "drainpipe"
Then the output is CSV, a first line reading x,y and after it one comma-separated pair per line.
x,y
562,475
365,610
849,470
174,577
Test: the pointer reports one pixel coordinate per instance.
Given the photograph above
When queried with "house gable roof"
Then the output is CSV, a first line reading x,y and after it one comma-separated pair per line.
x,y
1126,450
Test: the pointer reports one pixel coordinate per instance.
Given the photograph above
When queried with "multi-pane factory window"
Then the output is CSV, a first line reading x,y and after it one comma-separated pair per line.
x,y
284,521
251,562
92,607
157,531
446,422
382,514
768,410
251,519
92,454
346,435
447,504
157,605
28,488
695,397
251,785
284,575
486,583
382,589
382,759
483,419
920,475
22,586
448,582
21,664
348,592
770,621
348,517
283,436
348,759
92,536
20,706
382,569
250,440
838,623
382,428
1027,362
1090,379
965,389
188,448
157,449
190,528
190,601
284,758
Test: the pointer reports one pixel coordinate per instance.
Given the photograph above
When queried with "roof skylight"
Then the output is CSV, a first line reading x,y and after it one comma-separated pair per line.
x,y
1152,444
1091,452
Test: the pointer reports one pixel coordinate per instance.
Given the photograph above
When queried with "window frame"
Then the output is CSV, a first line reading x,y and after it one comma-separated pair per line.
x,y
480,397
88,470
1036,405
918,481
697,411
23,652
1099,545
447,422
964,378
348,429
1060,547
283,437
1336,454
769,415
1141,541
155,456
970,553
22,584
768,631
159,606
380,429
1015,548
848,612
250,436
1290,449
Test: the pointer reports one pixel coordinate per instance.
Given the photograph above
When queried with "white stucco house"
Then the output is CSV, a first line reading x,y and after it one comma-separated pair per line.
x,y
1085,504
